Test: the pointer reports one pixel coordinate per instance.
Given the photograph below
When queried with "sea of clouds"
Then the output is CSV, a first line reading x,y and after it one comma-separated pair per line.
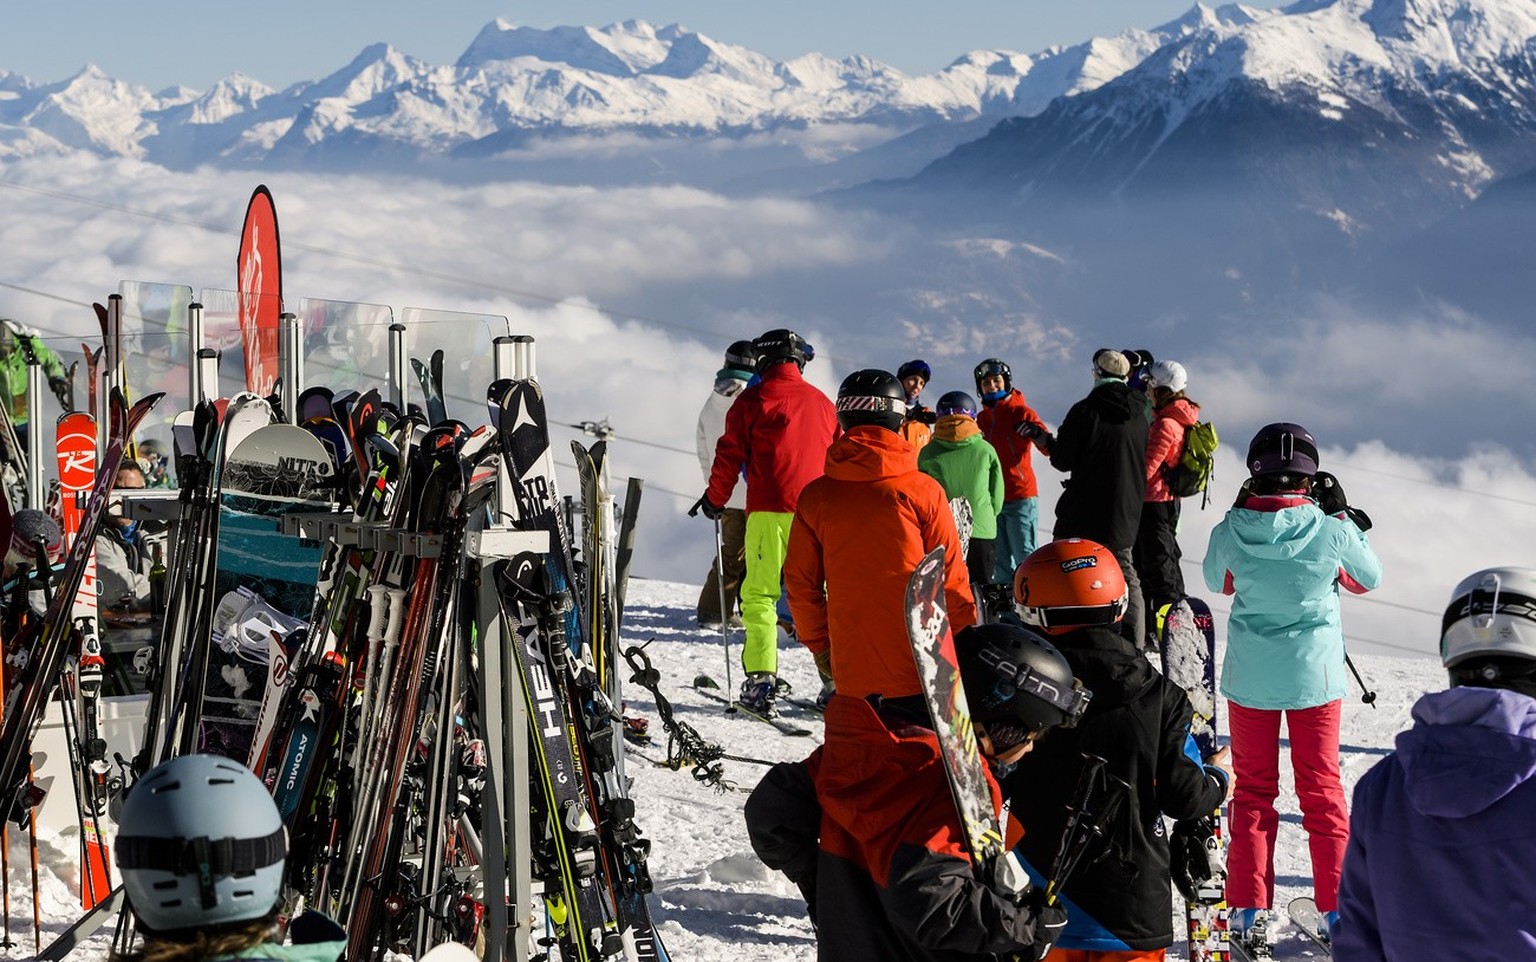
x,y
632,293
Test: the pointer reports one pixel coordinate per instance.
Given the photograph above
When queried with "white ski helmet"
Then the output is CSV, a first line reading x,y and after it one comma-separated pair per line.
x,y
1168,374
200,843
1492,614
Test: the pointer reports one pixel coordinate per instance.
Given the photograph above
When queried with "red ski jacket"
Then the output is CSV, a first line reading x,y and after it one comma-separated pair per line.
x,y
998,422
858,534
778,431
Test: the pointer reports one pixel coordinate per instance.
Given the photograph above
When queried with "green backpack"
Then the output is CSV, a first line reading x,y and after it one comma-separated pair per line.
x,y
1192,475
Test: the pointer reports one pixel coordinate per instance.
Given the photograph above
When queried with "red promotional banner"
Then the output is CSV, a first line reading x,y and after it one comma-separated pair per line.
x,y
260,286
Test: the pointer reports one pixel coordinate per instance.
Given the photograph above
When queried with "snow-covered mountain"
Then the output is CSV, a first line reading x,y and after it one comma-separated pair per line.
x,y
514,83
1253,154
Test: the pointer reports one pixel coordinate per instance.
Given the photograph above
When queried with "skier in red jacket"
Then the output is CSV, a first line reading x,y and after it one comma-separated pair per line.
x,y
777,432
858,533
1014,429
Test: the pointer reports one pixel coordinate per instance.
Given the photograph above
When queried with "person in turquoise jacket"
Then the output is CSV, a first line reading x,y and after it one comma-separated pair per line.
x,y
960,459
1282,552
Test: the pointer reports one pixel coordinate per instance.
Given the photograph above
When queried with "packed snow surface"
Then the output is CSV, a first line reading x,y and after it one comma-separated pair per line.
x,y
714,901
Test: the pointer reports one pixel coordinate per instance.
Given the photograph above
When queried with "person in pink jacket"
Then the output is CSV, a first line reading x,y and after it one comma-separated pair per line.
x,y
1156,553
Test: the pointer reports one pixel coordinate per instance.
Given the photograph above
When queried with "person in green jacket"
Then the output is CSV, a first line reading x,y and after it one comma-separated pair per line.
x,y
16,342
961,460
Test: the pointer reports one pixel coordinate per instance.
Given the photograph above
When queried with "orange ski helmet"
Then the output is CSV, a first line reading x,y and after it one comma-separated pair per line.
x,y
1069,584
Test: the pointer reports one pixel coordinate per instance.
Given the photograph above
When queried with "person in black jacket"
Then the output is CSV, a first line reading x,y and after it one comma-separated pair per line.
x,y
1119,899
867,827
1102,444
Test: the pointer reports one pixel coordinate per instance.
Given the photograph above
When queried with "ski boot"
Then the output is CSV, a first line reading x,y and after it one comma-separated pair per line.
x,y
1249,933
760,694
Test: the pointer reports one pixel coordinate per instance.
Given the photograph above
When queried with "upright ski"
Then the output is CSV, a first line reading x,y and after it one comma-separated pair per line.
x,y
1189,661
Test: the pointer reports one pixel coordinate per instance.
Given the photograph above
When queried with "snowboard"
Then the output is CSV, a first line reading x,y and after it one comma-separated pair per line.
x,y
965,523
265,581
933,649
1189,661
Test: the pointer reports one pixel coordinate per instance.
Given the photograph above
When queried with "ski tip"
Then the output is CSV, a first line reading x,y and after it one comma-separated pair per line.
x,y
704,681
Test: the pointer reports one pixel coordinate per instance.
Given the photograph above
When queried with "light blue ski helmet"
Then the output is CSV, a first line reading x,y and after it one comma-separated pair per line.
x,y
200,843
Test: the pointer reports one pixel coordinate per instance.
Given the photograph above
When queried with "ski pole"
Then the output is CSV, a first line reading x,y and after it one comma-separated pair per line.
x,y
1367,696
725,631
1092,765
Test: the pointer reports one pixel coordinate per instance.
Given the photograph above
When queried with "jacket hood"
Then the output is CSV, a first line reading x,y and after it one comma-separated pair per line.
x,y
1469,747
727,384
854,783
1277,535
1182,411
1107,665
869,453
1115,402
956,428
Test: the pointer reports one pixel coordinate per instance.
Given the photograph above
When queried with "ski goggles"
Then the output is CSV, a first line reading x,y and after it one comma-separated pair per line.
x,y
1072,616
1019,678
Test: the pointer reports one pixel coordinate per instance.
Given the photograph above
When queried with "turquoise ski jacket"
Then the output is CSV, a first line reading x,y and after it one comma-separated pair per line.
x,y
1283,562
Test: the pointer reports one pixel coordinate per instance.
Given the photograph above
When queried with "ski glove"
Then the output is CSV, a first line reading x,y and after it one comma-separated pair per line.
x,y
1329,493
1029,429
1050,922
711,512
1189,855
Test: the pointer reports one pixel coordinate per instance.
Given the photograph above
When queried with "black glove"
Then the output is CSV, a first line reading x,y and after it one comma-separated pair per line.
x,y
1050,922
1029,429
60,388
711,512
1189,856
1329,493
923,415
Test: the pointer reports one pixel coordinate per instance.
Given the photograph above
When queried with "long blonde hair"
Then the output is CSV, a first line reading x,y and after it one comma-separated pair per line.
x,y
199,945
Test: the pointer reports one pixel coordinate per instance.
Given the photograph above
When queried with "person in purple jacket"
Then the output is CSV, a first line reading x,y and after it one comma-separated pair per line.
x,y
1441,860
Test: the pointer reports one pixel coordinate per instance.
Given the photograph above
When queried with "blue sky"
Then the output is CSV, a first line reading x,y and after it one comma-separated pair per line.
x,y
157,43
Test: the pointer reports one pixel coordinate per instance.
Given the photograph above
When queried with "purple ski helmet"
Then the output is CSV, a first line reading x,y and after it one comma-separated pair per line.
x,y
1282,448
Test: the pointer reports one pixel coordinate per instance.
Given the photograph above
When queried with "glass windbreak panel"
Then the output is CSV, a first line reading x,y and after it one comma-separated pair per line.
x,y
157,345
238,365
346,344
468,364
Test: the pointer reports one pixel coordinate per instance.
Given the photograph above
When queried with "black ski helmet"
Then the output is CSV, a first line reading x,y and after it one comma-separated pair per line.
x,y
742,356
991,366
1282,448
871,396
780,345
1014,677
955,402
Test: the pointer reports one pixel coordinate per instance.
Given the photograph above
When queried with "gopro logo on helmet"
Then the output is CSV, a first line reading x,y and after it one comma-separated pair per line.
x,y
1078,564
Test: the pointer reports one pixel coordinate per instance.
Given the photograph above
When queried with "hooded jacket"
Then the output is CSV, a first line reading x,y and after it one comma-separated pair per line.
x,y
1283,561
1103,445
966,465
711,426
779,429
858,534
892,878
1139,722
1165,444
999,422
1441,851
